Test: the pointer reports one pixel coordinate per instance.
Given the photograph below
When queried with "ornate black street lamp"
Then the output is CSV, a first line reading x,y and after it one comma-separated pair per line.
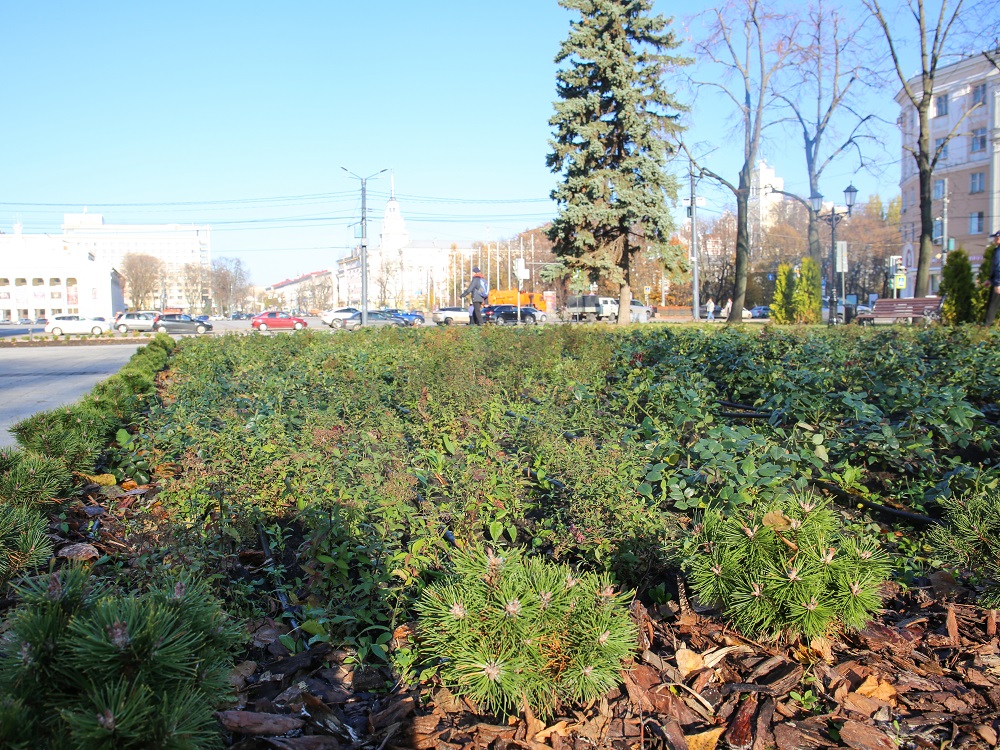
x,y
833,219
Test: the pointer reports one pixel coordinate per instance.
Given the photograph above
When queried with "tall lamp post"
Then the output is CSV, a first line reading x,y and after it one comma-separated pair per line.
x,y
364,241
833,219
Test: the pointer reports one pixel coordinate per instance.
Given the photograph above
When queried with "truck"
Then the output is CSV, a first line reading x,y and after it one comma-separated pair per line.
x,y
537,300
591,307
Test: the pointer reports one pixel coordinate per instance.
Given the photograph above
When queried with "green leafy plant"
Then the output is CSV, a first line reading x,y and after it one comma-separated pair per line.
x,y
957,288
508,631
786,567
84,669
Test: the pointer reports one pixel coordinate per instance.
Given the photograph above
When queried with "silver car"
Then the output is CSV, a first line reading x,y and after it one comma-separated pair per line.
x,y
135,321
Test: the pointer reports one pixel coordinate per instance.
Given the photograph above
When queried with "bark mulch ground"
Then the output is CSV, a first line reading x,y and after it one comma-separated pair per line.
x,y
925,675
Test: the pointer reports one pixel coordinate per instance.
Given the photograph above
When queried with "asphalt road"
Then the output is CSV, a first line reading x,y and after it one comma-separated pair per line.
x,y
41,378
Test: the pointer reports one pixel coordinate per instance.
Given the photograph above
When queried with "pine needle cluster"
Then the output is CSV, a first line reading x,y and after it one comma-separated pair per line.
x,y
509,631
83,669
970,540
787,568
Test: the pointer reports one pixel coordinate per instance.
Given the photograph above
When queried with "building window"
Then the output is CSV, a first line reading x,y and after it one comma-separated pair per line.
x,y
938,189
38,282
20,282
940,144
4,282
977,220
938,231
55,282
977,182
941,105
979,94
978,140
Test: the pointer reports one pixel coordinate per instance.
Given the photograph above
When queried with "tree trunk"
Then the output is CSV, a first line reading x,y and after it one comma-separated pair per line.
x,y
742,245
926,180
815,247
625,290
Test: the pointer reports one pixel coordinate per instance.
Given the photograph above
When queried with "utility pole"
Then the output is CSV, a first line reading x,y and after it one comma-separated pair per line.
x,y
695,292
364,241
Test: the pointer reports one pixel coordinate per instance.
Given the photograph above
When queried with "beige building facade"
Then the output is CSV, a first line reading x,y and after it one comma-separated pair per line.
x,y
965,117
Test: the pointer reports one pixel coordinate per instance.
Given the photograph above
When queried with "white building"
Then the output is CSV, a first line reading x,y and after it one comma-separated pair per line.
x,y
765,195
175,245
403,273
44,275
311,292
965,110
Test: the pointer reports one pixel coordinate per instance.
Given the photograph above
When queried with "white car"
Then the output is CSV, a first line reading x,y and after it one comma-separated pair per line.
x,y
446,316
61,324
640,313
336,318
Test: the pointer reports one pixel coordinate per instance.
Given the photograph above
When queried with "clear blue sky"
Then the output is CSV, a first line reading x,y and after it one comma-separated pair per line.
x,y
220,104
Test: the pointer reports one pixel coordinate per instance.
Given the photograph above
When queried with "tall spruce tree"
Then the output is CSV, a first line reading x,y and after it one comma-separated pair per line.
x,y
611,122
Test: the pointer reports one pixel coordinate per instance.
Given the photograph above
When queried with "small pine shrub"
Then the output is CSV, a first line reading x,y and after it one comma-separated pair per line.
x,y
969,540
786,568
27,478
509,630
24,541
83,669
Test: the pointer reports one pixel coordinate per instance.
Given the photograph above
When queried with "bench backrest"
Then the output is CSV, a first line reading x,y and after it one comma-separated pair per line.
x,y
913,306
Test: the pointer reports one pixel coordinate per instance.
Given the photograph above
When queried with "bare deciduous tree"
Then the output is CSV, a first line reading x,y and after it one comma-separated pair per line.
x,y
195,278
230,284
932,39
827,69
142,274
750,45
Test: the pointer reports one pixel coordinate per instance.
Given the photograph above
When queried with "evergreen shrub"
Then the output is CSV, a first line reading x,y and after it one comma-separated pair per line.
x,y
784,287
957,288
786,567
513,631
83,669
970,539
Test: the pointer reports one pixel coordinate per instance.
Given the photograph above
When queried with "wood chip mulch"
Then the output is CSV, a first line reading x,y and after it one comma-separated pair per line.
x,y
924,675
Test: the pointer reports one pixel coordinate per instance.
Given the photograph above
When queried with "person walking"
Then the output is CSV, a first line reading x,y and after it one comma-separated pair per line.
x,y
477,292
727,309
710,306
994,303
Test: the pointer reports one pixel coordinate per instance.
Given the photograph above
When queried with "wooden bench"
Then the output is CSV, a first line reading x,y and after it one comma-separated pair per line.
x,y
902,310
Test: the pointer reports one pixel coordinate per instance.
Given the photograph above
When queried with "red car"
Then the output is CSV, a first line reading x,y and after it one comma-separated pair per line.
x,y
267,320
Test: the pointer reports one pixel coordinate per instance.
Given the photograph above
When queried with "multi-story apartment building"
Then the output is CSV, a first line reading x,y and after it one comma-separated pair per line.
x,y
965,118
311,292
175,245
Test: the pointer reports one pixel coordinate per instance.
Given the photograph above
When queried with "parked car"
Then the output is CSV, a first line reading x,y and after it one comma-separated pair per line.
x,y
376,318
202,318
179,323
507,314
336,318
277,320
446,316
25,322
61,324
761,311
135,321
413,318
640,313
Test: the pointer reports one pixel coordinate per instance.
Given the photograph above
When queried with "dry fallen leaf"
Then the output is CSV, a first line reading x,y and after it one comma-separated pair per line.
x,y
560,729
875,688
688,661
822,647
706,740
777,520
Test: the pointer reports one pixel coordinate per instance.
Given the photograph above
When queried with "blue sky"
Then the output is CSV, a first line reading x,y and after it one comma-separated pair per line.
x,y
194,112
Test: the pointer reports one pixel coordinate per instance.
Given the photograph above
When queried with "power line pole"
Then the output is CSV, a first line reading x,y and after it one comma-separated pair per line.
x,y
695,292
364,240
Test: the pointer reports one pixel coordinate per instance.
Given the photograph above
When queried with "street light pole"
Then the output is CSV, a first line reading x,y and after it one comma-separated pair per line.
x,y
364,241
833,219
